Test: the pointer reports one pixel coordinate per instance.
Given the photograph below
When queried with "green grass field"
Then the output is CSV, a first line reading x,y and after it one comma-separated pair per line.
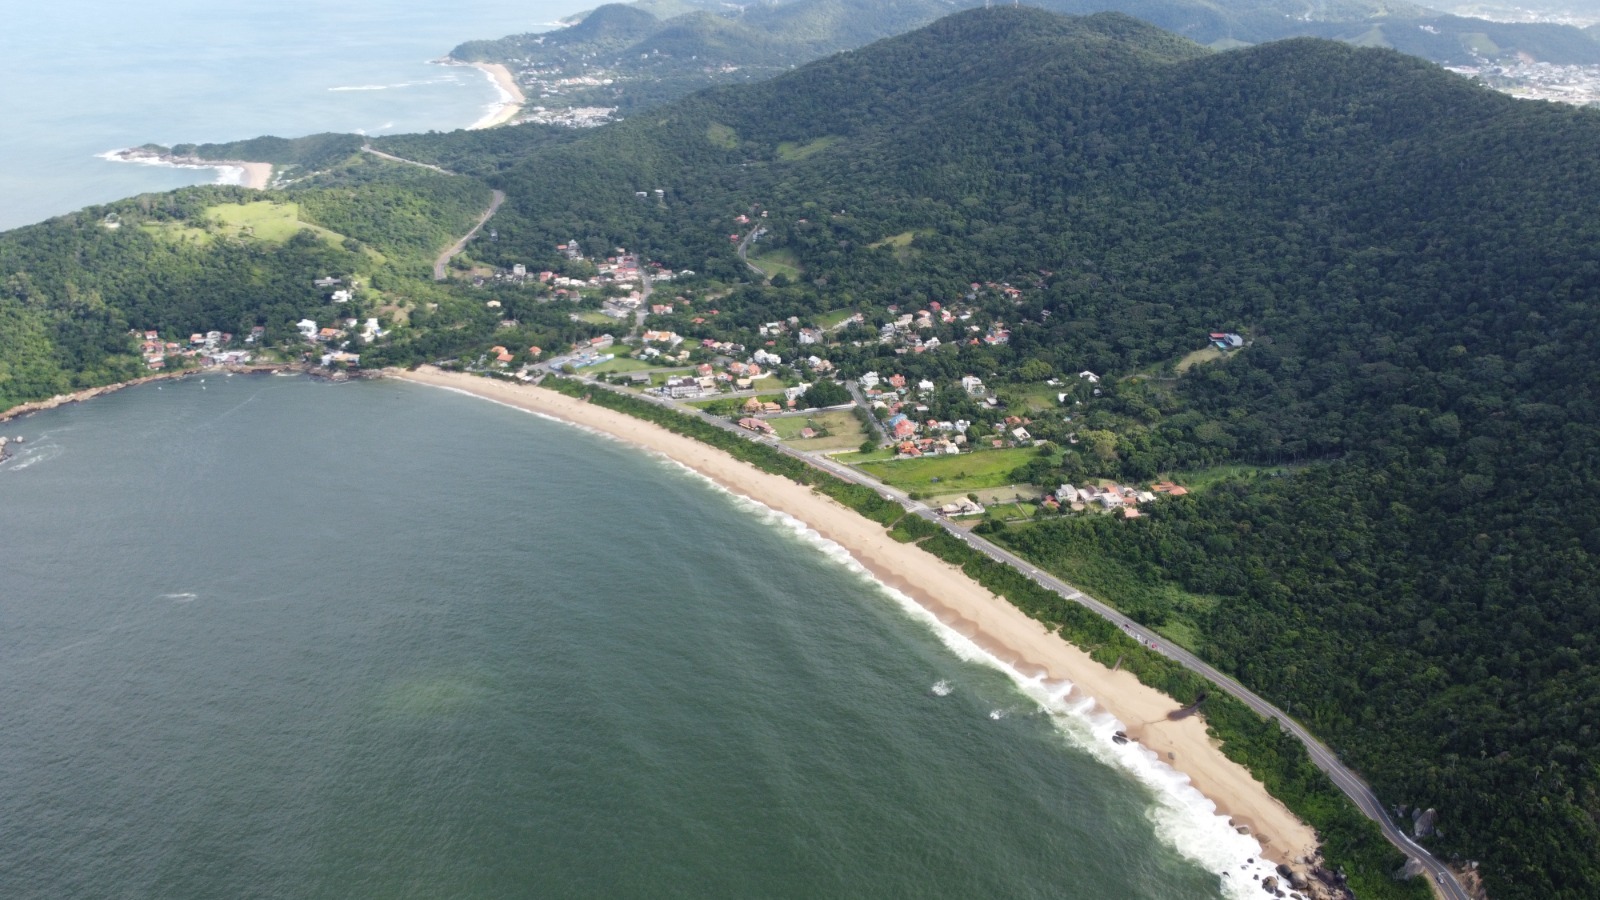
x,y
1203,355
778,262
843,430
1035,398
1005,493
791,150
833,318
263,220
900,244
722,136
968,471
621,364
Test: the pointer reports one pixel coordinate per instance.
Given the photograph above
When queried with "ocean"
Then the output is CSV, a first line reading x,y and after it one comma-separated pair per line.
x,y
275,637
83,78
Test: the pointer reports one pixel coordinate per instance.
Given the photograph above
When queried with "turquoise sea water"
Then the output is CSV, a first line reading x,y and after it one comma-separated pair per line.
x,y
79,78
264,636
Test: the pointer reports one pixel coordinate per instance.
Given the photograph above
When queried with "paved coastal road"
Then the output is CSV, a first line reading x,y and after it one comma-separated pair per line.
x,y
400,159
1444,883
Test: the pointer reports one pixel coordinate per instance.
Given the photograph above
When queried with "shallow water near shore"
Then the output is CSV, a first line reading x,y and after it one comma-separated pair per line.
x,y
84,79
283,637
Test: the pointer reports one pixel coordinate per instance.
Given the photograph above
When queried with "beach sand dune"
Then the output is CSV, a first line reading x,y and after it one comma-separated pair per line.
x,y
961,603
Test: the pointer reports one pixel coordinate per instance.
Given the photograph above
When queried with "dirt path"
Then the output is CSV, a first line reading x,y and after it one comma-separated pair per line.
x,y
449,254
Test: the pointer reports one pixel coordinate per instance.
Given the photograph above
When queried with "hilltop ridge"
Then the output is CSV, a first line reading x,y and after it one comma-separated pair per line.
x,y
1389,532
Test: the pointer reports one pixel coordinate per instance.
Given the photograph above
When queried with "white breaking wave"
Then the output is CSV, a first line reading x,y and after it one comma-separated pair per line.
x,y
225,174
1183,818
32,455
941,688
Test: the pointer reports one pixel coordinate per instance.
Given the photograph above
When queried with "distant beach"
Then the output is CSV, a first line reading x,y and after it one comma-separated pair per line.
x,y
511,96
254,175
1036,655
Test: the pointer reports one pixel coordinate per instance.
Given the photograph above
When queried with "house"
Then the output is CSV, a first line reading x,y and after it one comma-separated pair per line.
x,y
925,386
1089,376
1021,434
681,387
973,385
869,380
808,433
901,427
1226,340
756,425
341,296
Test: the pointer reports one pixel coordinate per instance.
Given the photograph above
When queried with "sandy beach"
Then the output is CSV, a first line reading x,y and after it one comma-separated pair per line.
x,y
257,175
511,97
254,175
989,621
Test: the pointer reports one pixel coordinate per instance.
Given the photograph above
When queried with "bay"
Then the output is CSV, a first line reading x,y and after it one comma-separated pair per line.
x,y
264,636
84,77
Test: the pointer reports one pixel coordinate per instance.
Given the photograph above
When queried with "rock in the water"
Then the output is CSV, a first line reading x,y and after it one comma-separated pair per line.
x,y
1270,884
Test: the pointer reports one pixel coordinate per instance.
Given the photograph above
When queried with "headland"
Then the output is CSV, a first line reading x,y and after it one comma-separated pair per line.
x,y
253,175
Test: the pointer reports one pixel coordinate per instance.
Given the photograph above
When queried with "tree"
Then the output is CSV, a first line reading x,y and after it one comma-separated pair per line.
x,y
825,393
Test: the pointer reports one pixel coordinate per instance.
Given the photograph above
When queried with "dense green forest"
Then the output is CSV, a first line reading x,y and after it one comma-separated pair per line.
x,y
660,52
1413,257
1400,549
225,259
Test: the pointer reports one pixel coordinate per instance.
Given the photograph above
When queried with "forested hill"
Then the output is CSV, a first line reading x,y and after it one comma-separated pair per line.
x,y
649,59
1416,261
1393,532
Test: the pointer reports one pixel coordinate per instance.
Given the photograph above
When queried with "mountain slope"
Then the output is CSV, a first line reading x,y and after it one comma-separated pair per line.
x,y
651,60
1415,258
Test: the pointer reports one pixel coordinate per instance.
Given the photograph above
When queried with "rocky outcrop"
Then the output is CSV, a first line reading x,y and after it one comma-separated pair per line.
x,y
90,393
1424,823
1410,870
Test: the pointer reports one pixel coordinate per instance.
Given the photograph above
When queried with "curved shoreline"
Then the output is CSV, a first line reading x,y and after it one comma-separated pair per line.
x,y
511,97
999,629
254,175
59,400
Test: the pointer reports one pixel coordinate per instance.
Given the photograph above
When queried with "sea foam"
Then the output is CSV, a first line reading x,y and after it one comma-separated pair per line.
x,y
1182,817
226,174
